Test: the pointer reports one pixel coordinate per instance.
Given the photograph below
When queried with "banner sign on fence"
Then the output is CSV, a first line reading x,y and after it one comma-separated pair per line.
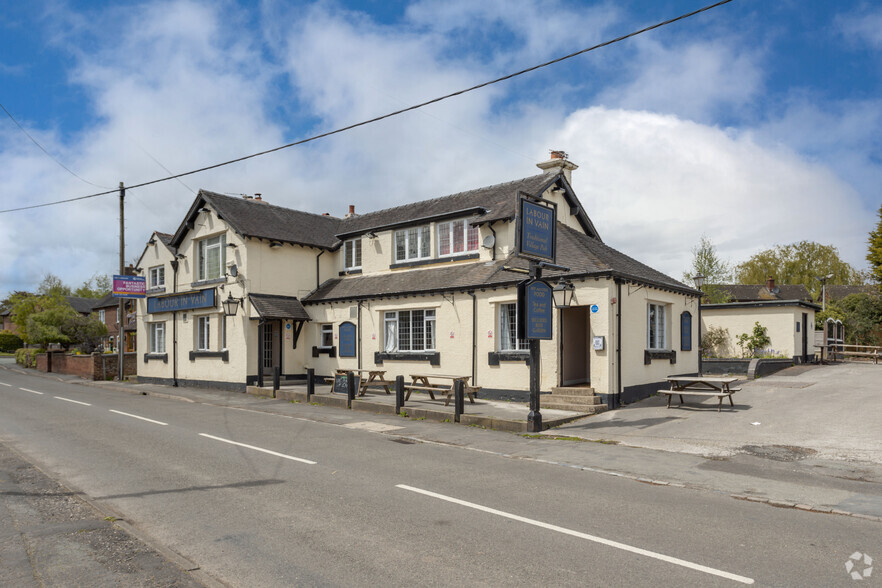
x,y
186,301
129,287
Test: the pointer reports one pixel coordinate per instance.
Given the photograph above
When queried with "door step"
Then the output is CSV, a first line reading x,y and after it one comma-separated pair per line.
x,y
573,390
583,408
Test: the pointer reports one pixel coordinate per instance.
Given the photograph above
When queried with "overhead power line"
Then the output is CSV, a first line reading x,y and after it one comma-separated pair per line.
x,y
49,155
385,116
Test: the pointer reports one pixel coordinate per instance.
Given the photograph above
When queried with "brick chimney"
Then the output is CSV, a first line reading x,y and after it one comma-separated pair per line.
x,y
770,284
351,212
559,164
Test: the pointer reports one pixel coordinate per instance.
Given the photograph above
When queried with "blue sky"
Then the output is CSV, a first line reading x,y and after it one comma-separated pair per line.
x,y
756,123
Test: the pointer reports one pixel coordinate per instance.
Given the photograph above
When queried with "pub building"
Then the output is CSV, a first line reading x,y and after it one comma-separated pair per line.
x,y
245,288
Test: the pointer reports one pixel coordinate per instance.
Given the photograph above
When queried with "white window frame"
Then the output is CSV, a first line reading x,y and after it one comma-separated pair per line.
x,y
352,254
507,331
447,232
656,326
203,333
157,276
423,236
102,315
157,337
326,330
394,331
203,248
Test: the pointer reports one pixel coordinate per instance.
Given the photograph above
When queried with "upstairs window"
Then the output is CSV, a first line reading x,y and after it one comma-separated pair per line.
x,y
412,244
456,237
352,254
211,258
157,276
656,327
101,315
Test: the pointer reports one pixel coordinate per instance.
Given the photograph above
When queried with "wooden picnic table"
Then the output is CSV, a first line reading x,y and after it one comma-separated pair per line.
x,y
374,378
719,386
420,382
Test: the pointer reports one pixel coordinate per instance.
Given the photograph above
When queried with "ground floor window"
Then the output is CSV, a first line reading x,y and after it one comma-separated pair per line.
x,y
508,329
157,337
410,330
203,333
656,327
327,336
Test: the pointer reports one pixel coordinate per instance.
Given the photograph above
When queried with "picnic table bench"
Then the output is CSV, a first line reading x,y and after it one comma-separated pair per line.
x,y
375,378
720,387
420,383
872,354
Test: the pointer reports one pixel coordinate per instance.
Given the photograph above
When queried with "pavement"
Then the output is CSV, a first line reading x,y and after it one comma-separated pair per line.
x,y
806,438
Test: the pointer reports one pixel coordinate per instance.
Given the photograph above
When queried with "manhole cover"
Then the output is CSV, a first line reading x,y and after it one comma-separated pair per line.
x,y
778,452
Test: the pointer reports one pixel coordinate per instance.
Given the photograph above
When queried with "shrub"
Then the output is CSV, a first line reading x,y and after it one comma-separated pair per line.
x,y
9,342
714,342
27,357
752,344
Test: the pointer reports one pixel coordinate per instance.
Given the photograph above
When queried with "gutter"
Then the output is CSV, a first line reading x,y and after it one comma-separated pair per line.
x,y
474,337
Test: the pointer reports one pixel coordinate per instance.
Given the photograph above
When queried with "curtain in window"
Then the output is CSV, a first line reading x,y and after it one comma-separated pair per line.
x,y
391,333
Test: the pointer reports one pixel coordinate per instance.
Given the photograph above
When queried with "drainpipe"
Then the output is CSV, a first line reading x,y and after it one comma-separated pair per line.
x,y
358,320
617,401
174,265
317,277
475,334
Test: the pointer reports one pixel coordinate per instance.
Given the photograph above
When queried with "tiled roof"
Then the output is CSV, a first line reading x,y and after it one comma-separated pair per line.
x,y
81,305
752,292
270,306
584,256
165,238
840,292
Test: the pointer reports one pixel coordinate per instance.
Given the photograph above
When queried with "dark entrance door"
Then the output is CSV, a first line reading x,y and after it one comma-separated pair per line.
x,y
805,350
575,348
271,347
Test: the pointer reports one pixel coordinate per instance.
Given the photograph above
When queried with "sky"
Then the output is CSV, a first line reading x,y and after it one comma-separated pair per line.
x,y
755,124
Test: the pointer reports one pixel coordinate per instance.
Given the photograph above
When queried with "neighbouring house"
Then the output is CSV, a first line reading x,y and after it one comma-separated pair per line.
x,y
838,292
8,325
425,286
107,311
786,311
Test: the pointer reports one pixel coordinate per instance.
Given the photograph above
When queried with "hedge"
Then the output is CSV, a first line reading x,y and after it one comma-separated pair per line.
x,y
27,357
9,342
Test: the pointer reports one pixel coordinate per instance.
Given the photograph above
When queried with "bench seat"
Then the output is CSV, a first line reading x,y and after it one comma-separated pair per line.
x,y
718,393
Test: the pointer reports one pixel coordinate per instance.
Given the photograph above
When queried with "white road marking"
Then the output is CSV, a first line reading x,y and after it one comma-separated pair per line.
x,y
601,540
5,384
372,427
74,401
134,416
291,457
31,391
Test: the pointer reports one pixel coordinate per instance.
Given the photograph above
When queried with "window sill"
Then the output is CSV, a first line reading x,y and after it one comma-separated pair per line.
x,y
156,357
495,357
651,354
434,260
221,280
433,357
350,272
224,355
329,351
156,290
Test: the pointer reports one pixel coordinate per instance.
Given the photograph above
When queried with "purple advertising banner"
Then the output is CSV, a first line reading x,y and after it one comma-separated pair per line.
x,y
129,287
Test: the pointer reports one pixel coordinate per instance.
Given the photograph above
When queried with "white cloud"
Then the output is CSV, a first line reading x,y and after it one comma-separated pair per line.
x,y
862,25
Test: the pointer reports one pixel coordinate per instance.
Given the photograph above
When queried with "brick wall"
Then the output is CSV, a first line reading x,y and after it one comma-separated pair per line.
x,y
97,366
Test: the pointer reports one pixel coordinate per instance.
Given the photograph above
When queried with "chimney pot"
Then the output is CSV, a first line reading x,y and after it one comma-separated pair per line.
x,y
556,154
351,209
326,214
770,283
257,196
558,163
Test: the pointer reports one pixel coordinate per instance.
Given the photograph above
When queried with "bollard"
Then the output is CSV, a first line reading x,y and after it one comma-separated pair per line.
x,y
350,389
277,379
458,401
399,394
310,383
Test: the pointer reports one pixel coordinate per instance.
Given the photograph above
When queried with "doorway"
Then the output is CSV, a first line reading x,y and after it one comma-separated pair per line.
x,y
805,351
575,348
271,347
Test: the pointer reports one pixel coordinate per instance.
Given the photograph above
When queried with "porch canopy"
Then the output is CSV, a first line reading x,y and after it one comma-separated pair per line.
x,y
272,307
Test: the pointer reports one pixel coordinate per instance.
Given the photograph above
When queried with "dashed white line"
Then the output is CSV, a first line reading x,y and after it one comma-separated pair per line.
x,y
31,391
69,400
134,416
601,540
5,384
291,457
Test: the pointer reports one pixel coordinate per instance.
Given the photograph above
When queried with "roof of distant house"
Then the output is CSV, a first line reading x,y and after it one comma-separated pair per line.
x,y
81,305
840,292
758,292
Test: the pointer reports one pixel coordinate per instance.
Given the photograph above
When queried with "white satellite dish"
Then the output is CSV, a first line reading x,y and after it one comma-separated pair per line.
x,y
489,241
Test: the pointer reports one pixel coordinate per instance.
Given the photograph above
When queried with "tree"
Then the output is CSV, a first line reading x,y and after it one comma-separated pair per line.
x,y
53,286
84,331
98,286
874,256
716,271
798,263
23,305
45,327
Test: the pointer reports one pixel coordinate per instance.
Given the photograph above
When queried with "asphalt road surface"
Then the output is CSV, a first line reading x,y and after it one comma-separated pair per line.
x,y
258,499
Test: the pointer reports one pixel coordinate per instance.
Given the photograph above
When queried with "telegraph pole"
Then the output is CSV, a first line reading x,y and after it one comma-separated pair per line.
x,y
120,339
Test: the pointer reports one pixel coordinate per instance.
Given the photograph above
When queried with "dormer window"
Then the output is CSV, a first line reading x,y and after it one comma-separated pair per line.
x,y
412,244
456,237
352,254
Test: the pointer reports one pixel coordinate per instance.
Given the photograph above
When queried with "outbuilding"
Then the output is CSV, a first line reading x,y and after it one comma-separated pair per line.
x,y
426,286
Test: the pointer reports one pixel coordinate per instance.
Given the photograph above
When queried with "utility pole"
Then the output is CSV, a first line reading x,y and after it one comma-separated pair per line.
x,y
120,339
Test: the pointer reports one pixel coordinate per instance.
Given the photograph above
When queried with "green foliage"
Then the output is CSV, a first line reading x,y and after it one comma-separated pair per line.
x,y
27,357
10,342
53,286
714,342
45,327
706,262
798,263
84,331
861,315
24,305
874,255
753,344
98,286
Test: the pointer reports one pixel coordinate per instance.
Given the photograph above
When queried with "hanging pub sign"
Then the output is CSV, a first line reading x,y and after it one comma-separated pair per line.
x,y
534,310
536,227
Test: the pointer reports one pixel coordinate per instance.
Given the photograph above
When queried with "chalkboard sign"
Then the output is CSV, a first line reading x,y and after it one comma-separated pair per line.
x,y
341,384
347,339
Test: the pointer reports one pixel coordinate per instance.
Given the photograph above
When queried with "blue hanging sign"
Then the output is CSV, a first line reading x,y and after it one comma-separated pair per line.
x,y
537,310
536,228
347,339
186,301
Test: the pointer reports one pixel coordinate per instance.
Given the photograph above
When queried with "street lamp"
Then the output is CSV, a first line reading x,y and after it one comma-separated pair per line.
x,y
823,280
231,305
562,293
699,282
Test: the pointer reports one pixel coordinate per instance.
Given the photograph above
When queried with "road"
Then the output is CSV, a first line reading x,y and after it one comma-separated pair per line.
x,y
259,499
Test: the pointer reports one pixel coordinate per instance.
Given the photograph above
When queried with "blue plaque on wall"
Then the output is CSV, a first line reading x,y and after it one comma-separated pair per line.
x,y
537,310
347,339
536,229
